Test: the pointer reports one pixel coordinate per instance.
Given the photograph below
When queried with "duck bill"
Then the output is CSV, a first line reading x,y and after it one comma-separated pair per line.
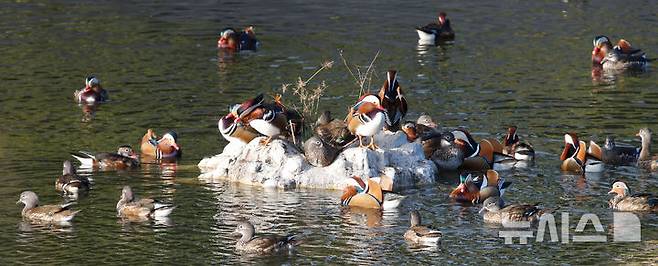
x,y
175,145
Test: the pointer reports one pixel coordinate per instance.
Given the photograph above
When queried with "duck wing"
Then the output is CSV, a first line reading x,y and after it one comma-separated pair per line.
x,y
424,231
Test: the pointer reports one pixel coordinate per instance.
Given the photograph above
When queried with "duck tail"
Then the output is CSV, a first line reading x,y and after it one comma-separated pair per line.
x,y
86,159
163,211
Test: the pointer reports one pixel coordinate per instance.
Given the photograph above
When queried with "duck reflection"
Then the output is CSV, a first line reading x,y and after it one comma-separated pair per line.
x,y
357,215
89,112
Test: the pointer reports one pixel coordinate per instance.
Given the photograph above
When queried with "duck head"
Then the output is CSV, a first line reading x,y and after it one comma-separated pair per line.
x,y
351,191
246,230
227,124
367,98
250,31
571,145
644,134
92,83
443,18
602,45
127,151
491,204
511,136
467,191
409,129
127,194
227,39
29,198
414,218
370,109
170,138
609,143
427,121
620,189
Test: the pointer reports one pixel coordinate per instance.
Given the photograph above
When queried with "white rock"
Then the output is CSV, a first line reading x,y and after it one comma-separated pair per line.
x,y
281,165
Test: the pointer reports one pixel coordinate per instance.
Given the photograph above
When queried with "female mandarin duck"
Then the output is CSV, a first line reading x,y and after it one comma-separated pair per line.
x,y
512,146
623,56
234,131
45,213
333,131
429,138
449,154
230,39
476,191
366,119
69,182
92,93
124,158
163,148
143,209
494,213
436,31
624,201
249,242
575,157
419,233
366,194
393,101
645,161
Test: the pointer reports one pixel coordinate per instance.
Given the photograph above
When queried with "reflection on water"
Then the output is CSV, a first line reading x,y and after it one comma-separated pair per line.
x,y
521,63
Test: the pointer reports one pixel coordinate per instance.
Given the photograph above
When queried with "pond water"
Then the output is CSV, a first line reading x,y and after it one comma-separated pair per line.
x,y
513,62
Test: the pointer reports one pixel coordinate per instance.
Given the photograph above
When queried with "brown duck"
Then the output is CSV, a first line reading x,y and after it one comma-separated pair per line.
x,y
249,242
625,201
45,213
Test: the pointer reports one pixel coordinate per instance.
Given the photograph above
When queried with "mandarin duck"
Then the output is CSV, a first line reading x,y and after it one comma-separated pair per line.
x,y
162,148
366,119
92,93
234,131
333,131
492,212
625,201
429,138
69,182
620,57
479,156
124,158
614,154
366,194
512,146
436,31
449,154
270,119
230,39
419,233
477,190
130,208
320,153
393,101
645,161
45,213
249,242
576,158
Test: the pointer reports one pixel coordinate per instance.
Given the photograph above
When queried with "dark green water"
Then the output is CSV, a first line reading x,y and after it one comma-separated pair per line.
x,y
514,62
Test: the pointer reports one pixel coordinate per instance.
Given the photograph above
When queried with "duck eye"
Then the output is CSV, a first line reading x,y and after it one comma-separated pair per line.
x,y
317,142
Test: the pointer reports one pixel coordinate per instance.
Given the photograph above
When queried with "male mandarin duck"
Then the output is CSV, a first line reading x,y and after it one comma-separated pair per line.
x,y
69,182
478,156
622,56
124,158
249,242
516,148
625,201
130,208
393,101
162,148
234,131
366,119
419,233
92,93
44,213
645,161
575,157
436,31
270,119
449,154
230,39
366,194
477,190
494,213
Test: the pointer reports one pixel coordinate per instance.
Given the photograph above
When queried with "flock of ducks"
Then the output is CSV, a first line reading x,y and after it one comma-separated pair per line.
x,y
454,150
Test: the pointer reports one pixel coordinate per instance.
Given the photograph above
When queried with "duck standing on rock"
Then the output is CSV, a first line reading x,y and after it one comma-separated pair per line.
x,y
45,213
234,131
69,182
625,201
366,119
92,93
124,158
232,40
163,148
270,119
393,101
249,242
622,56
331,136
436,31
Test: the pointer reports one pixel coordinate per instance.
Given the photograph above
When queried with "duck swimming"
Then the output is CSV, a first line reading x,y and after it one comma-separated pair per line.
x,y
645,160
450,153
249,242
492,212
419,233
436,31
575,157
124,158
620,57
130,208
233,40
69,182
92,93
44,213
165,147
625,201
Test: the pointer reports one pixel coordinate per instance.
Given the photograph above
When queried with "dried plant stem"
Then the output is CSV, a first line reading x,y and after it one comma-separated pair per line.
x,y
362,77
